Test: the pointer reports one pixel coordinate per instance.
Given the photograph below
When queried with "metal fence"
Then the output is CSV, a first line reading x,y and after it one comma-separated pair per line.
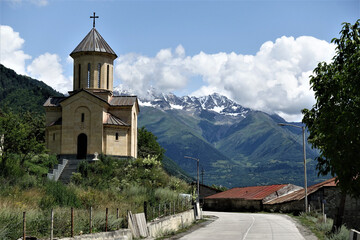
x,y
70,222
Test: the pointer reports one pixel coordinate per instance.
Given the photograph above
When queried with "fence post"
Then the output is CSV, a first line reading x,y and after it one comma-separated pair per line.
x,y
145,210
52,225
117,216
90,220
106,219
24,225
72,222
159,210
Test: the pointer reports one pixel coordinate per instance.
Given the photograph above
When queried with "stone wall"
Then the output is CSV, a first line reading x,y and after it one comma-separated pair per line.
x,y
228,204
171,223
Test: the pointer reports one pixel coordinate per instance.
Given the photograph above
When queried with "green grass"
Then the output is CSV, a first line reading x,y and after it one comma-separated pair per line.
x,y
322,230
109,183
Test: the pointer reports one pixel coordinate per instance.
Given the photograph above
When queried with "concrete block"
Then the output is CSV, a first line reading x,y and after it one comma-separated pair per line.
x,y
354,235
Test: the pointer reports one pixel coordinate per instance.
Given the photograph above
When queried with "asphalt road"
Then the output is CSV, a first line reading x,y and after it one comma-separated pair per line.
x,y
241,226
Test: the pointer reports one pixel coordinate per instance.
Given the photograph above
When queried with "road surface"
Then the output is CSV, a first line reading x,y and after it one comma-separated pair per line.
x,y
241,226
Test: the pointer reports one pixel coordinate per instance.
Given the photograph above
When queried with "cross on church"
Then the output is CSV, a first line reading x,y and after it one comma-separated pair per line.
x,y
94,19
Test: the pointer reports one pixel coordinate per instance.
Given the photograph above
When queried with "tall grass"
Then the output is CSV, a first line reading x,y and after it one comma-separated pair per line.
x,y
108,183
322,229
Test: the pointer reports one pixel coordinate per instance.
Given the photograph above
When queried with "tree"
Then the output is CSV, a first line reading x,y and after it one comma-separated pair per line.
x,y
148,145
21,136
334,120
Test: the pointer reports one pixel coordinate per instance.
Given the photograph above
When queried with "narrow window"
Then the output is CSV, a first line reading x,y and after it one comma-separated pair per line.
x,y
88,75
116,136
53,136
79,75
107,78
82,117
99,74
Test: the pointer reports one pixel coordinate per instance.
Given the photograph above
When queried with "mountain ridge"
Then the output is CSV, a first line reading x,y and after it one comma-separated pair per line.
x,y
230,140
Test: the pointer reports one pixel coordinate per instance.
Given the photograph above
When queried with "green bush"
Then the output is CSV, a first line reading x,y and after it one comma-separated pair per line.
x,y
60,195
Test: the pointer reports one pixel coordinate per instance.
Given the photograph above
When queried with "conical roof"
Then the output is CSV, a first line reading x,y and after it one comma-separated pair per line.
x,y
93,42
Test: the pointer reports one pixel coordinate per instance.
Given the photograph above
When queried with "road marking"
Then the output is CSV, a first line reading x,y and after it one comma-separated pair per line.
x,y
249,228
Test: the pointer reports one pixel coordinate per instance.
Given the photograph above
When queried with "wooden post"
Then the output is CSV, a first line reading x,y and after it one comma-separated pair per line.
x,y
164,209
117,216
145,210
72,222
90,220
106,219
24,225
52,225
159,210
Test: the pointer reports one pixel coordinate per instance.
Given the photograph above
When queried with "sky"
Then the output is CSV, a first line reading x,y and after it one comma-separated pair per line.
x,y
259,53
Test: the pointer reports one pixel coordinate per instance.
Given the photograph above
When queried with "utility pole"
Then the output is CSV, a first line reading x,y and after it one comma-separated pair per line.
x,y
198,184
304,151
202,176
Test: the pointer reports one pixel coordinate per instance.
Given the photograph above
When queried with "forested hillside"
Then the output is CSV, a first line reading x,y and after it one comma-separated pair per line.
x,y
22,93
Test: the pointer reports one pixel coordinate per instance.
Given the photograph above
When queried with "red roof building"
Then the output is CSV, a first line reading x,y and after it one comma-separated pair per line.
x,y
247,198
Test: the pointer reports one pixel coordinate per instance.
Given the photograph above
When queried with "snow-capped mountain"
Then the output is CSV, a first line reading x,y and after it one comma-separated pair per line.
x,y
214,103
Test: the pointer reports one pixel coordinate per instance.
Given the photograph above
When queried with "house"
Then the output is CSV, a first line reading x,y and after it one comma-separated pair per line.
x,y
246,198
206,191
326,193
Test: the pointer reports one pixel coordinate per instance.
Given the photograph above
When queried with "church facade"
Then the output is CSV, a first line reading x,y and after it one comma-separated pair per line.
x,y
91,120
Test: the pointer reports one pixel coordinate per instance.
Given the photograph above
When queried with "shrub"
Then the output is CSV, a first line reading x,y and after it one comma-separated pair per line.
x,y
61,194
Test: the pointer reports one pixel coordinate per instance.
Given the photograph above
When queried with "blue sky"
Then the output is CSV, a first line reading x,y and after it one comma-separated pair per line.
x,y
258,53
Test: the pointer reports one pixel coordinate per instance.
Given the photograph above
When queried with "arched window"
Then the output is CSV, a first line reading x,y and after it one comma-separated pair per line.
x,y
99,74
79,75
107,78
88,75
82,117
117,136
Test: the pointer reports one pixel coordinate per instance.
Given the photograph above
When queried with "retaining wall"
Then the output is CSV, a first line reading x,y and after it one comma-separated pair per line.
x,y
171,223
122,234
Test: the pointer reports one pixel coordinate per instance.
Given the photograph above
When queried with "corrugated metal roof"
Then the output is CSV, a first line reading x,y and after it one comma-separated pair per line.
x,y
248,193
57,122
93,42
53,101
113,120
300,194
123,100
114,101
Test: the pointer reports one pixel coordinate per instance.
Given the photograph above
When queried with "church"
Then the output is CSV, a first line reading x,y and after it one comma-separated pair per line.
x,y
91,119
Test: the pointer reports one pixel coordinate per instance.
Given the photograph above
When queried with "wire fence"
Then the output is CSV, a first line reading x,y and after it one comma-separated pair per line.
x,y
69,222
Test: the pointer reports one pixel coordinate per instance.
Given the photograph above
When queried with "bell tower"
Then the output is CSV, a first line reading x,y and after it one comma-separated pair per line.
x,y
93,64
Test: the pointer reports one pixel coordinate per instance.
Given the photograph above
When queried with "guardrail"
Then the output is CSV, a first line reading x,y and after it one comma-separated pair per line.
x,y
57,171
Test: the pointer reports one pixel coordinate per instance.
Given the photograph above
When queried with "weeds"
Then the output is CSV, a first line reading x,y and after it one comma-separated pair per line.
x,y
315,222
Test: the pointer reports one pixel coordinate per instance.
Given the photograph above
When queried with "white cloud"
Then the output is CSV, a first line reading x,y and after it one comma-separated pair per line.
x,y
47,68
11,54
40,3
275,79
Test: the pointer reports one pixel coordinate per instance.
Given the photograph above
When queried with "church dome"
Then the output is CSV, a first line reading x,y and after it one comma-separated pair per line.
x,y
93,42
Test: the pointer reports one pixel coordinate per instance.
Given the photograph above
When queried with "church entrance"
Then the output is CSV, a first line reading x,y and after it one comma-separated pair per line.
x,y
81,146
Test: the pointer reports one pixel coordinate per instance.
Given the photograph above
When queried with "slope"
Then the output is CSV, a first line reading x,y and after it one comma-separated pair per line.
x,y
22,93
